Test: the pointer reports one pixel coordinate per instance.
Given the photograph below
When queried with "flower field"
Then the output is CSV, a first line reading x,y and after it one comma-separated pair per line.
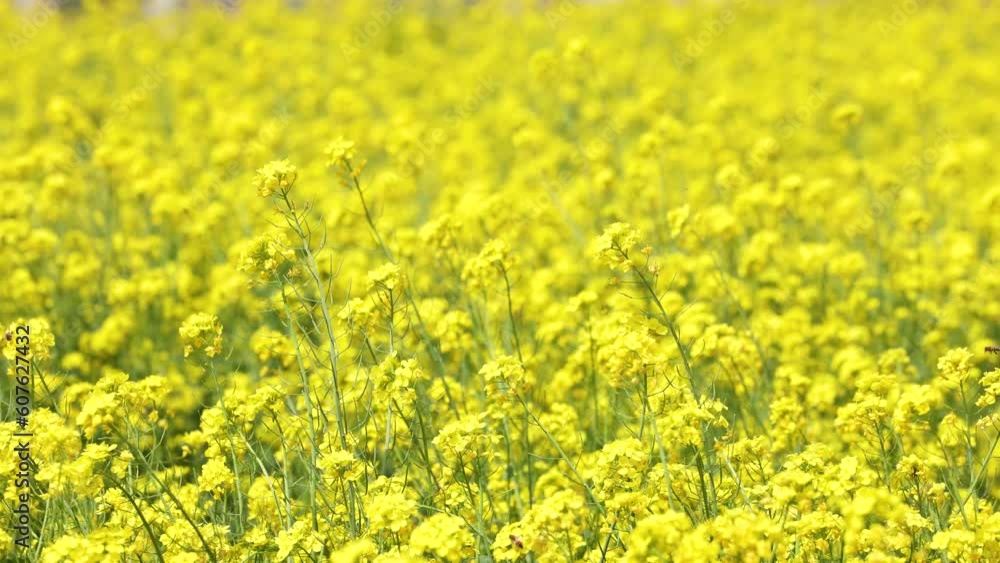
x,y
442,281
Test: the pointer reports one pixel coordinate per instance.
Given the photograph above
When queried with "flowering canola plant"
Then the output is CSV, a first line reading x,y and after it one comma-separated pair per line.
x,y
625,282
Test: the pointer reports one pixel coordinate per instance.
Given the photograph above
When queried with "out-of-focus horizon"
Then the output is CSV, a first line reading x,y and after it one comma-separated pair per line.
x,y
149,7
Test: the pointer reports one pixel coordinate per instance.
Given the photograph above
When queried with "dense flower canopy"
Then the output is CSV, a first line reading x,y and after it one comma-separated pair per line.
x,y
502,281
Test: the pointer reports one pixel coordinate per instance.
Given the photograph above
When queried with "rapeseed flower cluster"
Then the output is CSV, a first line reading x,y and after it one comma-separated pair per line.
x,y
503,281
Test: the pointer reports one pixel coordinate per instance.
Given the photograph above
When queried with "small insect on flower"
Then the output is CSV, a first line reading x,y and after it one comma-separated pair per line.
x,y
991,349
516,541
9,336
